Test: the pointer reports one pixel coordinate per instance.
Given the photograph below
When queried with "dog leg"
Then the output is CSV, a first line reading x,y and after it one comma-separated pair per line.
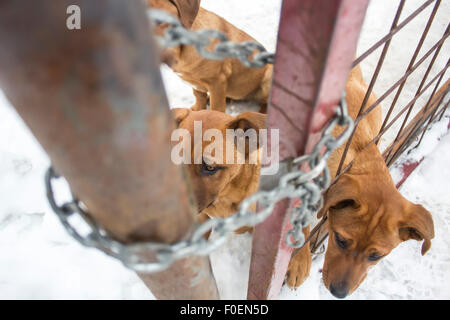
x,y
201,100
300,265
218,94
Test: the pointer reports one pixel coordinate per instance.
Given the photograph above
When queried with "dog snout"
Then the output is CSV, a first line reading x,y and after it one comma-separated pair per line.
x,y
339,290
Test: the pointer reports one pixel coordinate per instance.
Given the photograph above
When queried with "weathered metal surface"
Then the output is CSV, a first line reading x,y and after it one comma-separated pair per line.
x,y
316,45
94,100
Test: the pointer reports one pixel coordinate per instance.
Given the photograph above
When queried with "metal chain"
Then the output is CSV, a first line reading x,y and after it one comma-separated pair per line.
x,y
250,53
305,185
318,179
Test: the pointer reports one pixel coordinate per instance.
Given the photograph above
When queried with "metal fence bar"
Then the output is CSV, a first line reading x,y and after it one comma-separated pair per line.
x,y
95,101
413,60
316,43
372,84
422,82
419,119
390,157
316,236
391,33
404,109
443,111
406,75
319,233
432,117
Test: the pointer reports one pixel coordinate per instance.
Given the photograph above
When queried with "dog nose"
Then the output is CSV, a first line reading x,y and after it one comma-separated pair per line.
x,y
339,290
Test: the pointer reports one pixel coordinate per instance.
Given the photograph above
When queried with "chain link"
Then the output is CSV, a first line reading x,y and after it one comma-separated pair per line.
x,y
304,185
318,178
250,53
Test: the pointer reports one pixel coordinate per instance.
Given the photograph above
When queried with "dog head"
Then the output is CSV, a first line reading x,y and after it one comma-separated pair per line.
x,y
223,159
367,219
185,10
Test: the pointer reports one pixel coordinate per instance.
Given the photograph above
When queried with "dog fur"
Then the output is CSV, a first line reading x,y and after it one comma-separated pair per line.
x,y
367,215
220,188
213,80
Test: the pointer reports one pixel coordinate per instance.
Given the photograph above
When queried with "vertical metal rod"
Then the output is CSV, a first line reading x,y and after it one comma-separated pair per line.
x,y
389,125
412,128
372,83
391,157
443,111
424,78
391,33
94,99
403,143
411,63
429,122
316,44
406,75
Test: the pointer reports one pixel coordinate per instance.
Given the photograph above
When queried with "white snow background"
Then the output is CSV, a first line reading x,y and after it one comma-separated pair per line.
x,y
38,260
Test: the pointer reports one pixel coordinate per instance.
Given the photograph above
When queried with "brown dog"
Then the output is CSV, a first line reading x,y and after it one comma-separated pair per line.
x,y
367,216
220,187
224,79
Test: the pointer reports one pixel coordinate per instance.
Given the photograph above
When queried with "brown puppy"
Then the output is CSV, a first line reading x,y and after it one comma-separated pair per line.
x,y
367,216
219,186
224,79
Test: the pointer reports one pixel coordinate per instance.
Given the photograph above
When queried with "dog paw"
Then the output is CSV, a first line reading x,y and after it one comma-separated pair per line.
x,y
298,269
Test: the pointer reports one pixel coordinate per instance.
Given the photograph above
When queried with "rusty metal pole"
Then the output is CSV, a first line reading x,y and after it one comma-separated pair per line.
x,y
94,99
316,45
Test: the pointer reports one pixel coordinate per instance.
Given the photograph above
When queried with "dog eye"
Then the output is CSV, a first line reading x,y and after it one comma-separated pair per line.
x,y
374,257
344,204
208,170
340,242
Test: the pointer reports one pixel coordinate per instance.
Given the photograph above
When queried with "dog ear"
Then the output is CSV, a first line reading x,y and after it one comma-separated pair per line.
x,y
245,122
249,120
344,193
418,225
187,10
180,114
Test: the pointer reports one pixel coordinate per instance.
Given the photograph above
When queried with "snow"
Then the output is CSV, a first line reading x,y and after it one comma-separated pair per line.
x,y
40,261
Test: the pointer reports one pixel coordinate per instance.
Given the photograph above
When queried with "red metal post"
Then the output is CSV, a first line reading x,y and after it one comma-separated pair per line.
x,y
316,45
94,99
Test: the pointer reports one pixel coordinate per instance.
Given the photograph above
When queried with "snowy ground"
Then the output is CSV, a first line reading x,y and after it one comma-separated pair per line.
x,y
39,260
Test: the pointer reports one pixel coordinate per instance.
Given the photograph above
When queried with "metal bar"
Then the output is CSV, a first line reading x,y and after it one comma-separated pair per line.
x,y
358,119
422,82
320,226
372,84
95,101
412,67
316,43
429,122
409,104
406,75
389,156
418,120
408,167
413,60
391,33
443,112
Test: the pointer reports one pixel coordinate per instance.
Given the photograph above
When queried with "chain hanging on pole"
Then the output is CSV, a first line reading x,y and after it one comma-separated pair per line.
x,y
307,186
250,53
